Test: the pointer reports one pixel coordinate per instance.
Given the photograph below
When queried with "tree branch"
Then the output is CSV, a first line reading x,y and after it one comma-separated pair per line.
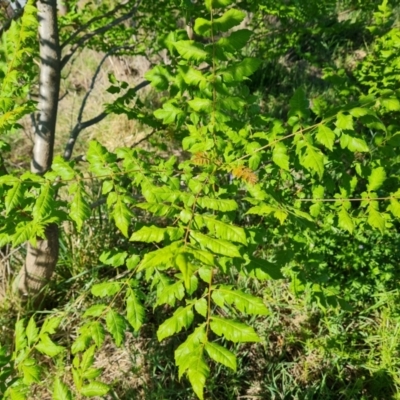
x,y
90,35
80,126
94,19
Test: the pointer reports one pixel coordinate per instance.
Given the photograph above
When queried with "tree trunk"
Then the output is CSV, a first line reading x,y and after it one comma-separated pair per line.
x,y
42,258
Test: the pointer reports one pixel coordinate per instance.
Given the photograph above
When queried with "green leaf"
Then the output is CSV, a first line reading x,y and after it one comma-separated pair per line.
x,y
225,231
187,269
153,233
280,157
353,144
116,326
394,207
233,330
79,207
170,293
201,105
32,332
235,41
345,221
50,325
114,258
228,20
376,179
244,302
218,246
87,358
122,216
159,257
344,122
221,355
159,77
182,318
44,203
30,371
299,104
105,289
95,310
375,218
61,391
97,333
14,196
191,50
313,160
239,71
391,104
48,347
134,311
201,307
94,389
217,204
326,136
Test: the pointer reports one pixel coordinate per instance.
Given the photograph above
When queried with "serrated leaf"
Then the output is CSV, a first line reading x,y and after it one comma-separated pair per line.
x,y
353,144
313,160
95,310
236,40
170,293
201,105
344,122
97,333
44,203
228,20
30,371
345,221
87,358
159,257
201,307
134,311
122,216
48,347
105,289
240,71
221,355
394,207
375,219
326,136
182,318
32,332
225,231
50,325
218,246
217,204
94,388
233,330
376,179
116,326
61,391
244,302
391,104
191,50
14,196
150,234
299,104
114,258
79,207
159,77
280,157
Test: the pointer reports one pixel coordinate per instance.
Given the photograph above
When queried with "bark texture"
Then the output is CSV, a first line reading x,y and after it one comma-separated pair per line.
x,y
42,258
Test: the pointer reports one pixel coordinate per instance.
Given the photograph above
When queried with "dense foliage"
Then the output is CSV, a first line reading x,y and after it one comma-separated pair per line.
x,y
284,185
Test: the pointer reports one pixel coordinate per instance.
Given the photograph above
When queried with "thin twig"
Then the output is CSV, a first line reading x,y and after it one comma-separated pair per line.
x,y
81,42
80,126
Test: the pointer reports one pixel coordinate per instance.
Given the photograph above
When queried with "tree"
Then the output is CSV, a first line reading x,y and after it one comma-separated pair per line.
x,y
246,198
